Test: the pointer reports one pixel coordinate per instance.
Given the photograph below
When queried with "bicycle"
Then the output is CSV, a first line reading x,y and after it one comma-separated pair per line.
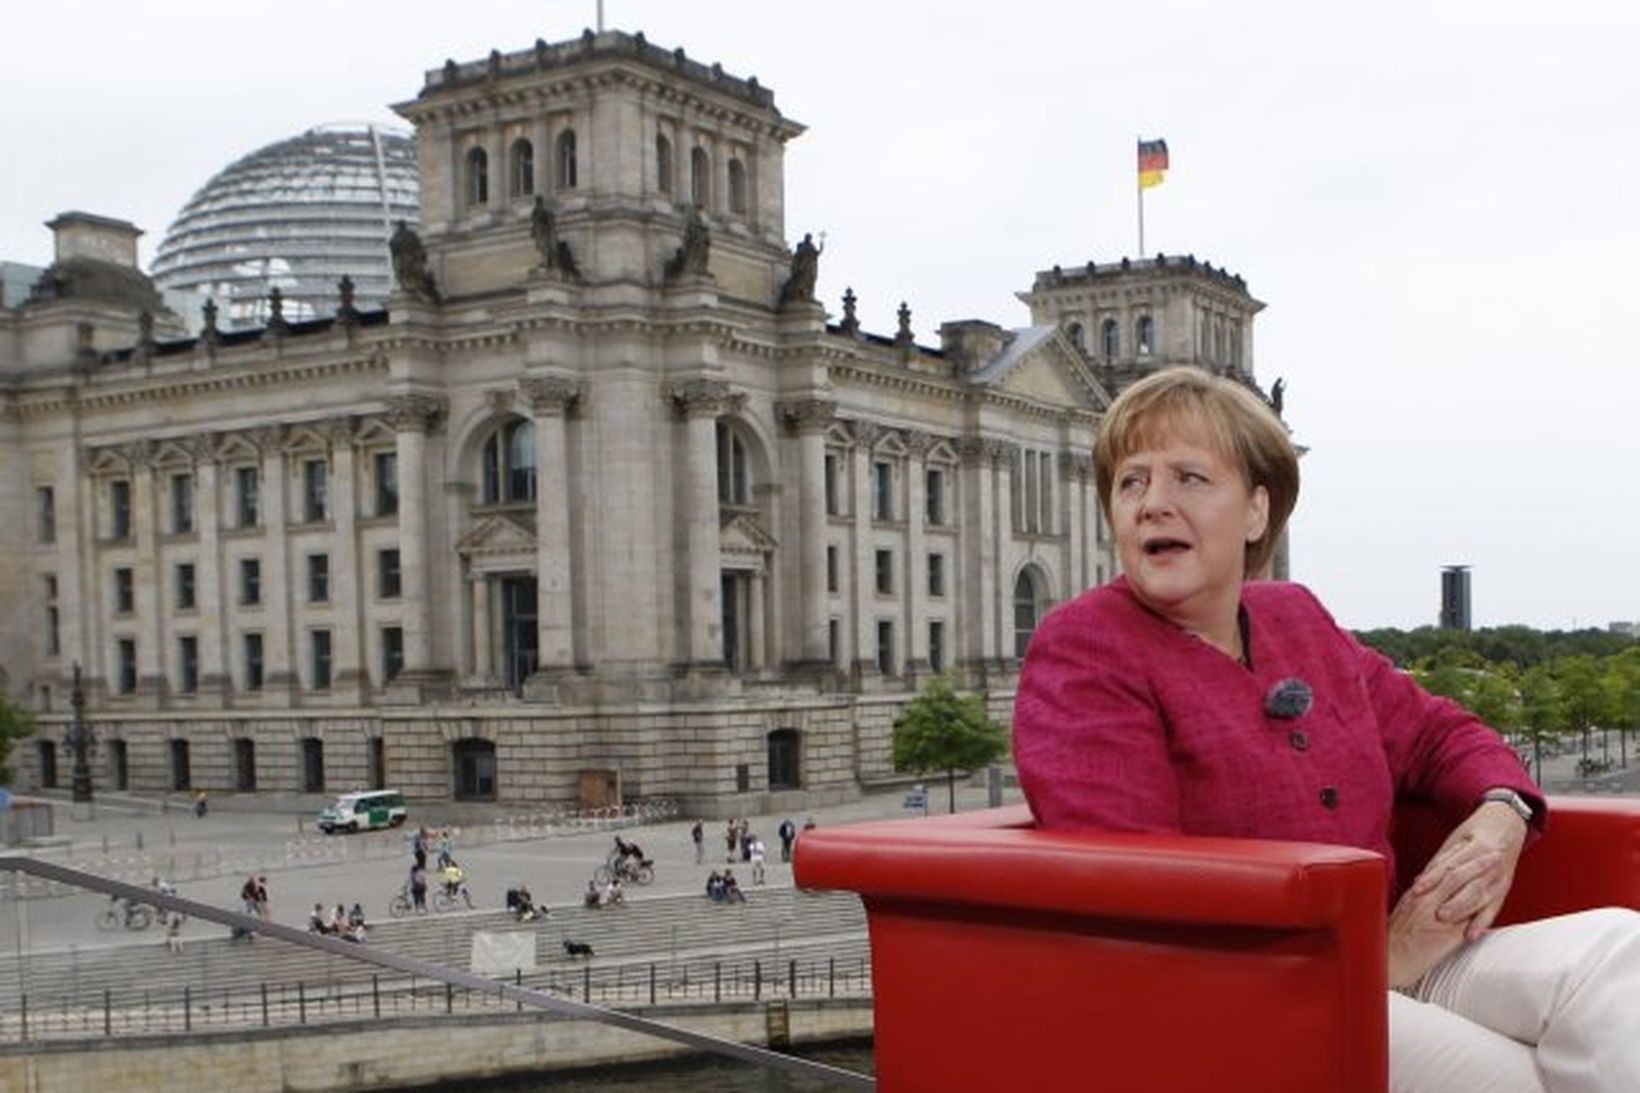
x,y
446,900
401,904
133,916
626,867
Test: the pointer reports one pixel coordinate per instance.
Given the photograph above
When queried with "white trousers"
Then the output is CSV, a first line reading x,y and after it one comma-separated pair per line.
x,y
1543,1007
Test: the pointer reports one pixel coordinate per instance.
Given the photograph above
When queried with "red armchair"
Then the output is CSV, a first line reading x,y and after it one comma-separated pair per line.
x,y
1008,958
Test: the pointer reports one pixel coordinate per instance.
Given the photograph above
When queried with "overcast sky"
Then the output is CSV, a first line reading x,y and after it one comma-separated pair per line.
x,y
1437,202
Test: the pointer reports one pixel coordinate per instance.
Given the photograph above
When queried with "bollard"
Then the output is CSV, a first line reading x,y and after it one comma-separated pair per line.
x,y
22,1011
757,980
108,1012
264,1005
791,980
652,983
376,994
717,982
518,981
187,1009
449,998
301,1002
831,976
586,984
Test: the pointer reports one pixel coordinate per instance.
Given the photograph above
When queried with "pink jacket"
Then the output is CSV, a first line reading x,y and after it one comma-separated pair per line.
x,y
1125,722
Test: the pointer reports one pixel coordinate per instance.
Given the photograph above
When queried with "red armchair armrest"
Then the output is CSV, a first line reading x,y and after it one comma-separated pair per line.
x,y
1004,957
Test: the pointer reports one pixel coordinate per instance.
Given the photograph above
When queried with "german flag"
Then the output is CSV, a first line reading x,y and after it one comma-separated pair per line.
x,y
1152,163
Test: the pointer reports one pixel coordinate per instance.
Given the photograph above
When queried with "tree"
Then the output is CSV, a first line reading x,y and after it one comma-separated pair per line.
x,y
942,730
1541,714
15,723
1585,700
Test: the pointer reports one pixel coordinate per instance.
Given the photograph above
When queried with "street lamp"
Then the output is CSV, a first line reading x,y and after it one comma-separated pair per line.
x,y
80,741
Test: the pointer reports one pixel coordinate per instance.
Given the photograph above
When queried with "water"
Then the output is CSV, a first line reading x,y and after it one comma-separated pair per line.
x,y
698,1075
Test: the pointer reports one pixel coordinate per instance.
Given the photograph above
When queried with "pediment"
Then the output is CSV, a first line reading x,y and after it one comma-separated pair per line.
x,y
740,535
498,534
1041,364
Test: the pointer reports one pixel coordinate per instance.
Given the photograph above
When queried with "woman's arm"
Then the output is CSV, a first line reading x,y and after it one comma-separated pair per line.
x,y
1089,742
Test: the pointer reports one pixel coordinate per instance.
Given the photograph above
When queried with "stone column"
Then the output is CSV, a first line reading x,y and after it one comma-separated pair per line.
x,y
1074,469
152,682
273,493
700,403
552,399
413,416
756,626
809,419
978,607
866,435
346,603
1001,618
213,635
915,599
483,638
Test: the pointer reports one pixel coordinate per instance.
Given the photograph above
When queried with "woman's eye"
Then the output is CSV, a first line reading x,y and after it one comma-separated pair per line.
x,y
1192,478
1129,482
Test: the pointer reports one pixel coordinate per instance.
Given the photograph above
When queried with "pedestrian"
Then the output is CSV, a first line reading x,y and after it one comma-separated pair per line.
x,y
444,857
173,931
418,886
745,840
730,834
788,835
808,824
418,848
199,805
757,855
698,835
262,898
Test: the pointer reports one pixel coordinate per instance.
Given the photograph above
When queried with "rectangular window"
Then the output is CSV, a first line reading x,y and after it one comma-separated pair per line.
x,y
831,569
389,577
246,502
882,490
1045,494
315,491
318,578
387,483
54,643
125,597
392,652
319,641
936,646
832,500
253,662
185,586
45,504
885,571
1033,483
885,647
250,581
126,683
188,665
834,641
182,504
936,574
119,509
934,493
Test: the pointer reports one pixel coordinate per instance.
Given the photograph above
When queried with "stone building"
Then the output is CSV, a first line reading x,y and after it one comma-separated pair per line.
x,y
600,507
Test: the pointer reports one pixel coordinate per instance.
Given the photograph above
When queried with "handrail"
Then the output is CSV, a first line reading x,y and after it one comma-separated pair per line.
x,y
846,1079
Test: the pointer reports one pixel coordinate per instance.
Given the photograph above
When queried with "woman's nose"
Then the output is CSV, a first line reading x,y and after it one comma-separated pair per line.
x,y
1156,499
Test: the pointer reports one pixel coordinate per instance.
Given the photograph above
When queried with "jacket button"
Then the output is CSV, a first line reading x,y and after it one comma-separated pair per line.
x,y
1329,797
1298,739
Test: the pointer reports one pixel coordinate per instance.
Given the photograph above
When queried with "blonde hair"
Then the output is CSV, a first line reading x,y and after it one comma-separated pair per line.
x,y
1226,417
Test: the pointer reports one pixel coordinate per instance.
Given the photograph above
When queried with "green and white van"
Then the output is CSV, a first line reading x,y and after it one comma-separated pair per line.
x,y
363,811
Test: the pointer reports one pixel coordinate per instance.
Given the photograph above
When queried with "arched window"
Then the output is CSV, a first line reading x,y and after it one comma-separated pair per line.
x,y
509,463
734,479
700,177
566,160
1144,334
1111,338
523,168
1075,334
478,177
663,163
737,186
1027,610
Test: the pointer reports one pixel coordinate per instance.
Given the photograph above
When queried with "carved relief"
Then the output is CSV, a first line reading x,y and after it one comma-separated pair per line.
x,y
917,442
703,398
811,415
865,433
551,394
414,413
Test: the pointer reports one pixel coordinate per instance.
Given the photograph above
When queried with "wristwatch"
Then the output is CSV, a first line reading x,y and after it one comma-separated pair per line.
x,y
1522,807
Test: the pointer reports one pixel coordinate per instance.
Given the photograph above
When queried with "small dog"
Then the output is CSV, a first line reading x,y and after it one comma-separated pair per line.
x,y
573,949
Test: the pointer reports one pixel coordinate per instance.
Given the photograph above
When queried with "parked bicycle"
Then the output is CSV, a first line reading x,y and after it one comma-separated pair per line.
x,y
124,912
440,898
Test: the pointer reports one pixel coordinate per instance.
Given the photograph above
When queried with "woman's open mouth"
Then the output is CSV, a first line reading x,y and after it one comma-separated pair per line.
x,y
1163,546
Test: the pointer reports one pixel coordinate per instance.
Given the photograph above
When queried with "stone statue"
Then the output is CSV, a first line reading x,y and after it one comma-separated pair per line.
x,y
1278,392
410,264
691,256
555,253
799,287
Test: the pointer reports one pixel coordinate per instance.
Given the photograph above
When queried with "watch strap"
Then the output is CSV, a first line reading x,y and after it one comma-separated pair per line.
x,y
1503,795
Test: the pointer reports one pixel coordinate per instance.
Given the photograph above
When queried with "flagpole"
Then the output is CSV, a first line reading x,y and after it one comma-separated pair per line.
x,y
1139,181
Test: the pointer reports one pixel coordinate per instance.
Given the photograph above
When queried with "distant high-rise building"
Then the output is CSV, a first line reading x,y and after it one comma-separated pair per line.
x,y
1455,597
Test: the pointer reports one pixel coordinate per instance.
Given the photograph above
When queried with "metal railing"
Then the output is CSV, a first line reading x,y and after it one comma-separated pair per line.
x,y
476,992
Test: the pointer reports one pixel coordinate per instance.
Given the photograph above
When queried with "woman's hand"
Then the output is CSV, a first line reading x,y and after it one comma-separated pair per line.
x,y
1417,938
1474,868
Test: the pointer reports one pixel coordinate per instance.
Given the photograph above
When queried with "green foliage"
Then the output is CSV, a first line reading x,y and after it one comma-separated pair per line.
x,y
1518,645
941,730
15,723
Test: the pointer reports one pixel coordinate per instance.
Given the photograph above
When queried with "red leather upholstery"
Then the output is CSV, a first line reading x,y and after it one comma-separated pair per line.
x,y
1007,958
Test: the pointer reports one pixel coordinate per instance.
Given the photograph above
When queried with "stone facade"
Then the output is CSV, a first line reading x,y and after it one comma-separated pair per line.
x,y
600,507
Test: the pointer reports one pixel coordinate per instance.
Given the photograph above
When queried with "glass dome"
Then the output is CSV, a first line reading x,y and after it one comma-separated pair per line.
x,y
298,214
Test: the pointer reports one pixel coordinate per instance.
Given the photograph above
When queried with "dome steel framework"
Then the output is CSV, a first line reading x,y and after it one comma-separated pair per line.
x,y
298,215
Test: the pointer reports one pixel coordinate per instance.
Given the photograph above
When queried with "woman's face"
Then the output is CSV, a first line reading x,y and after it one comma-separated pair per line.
x,y
1183,517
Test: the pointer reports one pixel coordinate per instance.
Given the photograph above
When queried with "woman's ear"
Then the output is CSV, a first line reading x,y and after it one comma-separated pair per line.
x,y
1258,513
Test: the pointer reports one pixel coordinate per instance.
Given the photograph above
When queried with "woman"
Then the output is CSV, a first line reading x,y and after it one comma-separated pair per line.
x,y
1185,696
